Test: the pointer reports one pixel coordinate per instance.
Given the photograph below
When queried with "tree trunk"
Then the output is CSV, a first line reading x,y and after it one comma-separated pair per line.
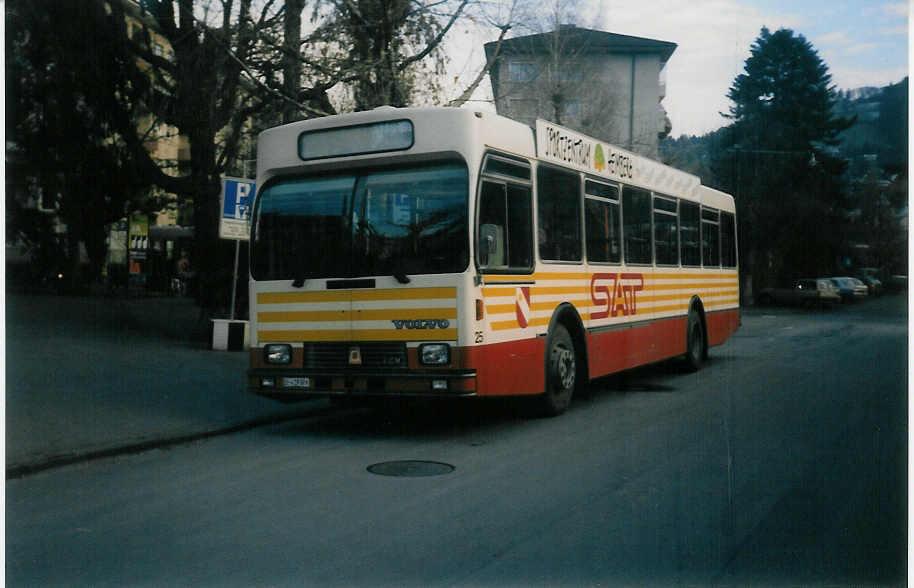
x,y
292,67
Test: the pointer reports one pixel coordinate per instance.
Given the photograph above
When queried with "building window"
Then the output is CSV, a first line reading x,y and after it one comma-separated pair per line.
x,y
570,109
570,72
522,71
524,110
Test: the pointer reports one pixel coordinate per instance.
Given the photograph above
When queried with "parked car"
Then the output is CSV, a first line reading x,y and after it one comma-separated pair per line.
x,y
874,285
801,292
847,289
861,290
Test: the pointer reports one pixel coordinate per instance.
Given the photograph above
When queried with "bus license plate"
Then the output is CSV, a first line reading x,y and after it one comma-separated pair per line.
x,y
296,382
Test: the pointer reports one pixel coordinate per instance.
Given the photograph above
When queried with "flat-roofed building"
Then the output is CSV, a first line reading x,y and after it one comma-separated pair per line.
x,y
605,85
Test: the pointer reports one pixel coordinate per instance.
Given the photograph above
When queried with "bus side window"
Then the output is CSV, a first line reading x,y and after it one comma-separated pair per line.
x,y
601,216
727,239
492,245
520,227
559,222
710,237
636,225
690,233
505,227
492,223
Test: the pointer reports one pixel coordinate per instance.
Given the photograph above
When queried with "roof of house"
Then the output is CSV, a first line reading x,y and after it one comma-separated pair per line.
x,y
572,40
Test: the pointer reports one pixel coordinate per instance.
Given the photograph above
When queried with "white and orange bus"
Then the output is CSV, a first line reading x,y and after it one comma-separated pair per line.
x,y
447,252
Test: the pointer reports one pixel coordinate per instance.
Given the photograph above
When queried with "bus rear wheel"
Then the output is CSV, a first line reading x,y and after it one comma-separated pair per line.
x,y
561,373
695,343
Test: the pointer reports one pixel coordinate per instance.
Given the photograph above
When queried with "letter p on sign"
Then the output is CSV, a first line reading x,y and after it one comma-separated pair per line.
x,y
236,199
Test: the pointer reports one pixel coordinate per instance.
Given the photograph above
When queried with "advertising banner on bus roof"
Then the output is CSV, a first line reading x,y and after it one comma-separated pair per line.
x,y
566,147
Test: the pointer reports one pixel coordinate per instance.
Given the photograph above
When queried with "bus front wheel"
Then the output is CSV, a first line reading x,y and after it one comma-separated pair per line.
x,y
561,373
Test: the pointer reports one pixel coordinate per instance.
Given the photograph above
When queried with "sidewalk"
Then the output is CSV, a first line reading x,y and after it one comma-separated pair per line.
x,y
92,376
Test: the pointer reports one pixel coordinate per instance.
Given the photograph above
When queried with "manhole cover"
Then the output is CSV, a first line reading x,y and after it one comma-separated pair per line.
x,y
410,468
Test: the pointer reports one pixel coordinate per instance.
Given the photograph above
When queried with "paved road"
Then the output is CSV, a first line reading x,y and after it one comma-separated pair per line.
x,y
88,375
782,463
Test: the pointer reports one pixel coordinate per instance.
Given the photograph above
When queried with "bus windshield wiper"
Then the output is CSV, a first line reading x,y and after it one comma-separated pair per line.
x,y
299,276
401,277
300,270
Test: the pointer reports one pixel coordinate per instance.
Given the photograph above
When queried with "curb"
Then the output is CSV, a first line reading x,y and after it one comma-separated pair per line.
x,y
18,471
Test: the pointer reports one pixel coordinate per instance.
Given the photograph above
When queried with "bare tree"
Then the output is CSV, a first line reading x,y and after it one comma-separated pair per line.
x,y
575,77
367,53
564,74
501,17
214,72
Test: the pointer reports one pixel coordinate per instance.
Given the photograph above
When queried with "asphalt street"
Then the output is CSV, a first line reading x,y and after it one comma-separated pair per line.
x,y
89,376
782,463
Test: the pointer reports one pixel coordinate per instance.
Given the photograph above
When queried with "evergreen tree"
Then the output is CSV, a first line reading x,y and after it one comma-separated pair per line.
x,y
69,89
777,161
892,125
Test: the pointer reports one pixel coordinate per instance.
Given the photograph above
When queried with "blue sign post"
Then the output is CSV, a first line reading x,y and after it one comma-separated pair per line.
x,y
236,200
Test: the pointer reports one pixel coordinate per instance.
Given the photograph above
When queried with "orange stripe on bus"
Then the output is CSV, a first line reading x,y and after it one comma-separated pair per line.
x,y
710,274
359,335
587,303
357,315
512,324
691,286
356,295
494,292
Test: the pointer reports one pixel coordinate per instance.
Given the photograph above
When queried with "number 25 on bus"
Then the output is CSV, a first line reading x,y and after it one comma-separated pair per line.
x,y
447,252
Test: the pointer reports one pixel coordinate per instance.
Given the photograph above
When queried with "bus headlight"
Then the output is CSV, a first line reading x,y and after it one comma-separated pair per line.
x,y
434,354
277,354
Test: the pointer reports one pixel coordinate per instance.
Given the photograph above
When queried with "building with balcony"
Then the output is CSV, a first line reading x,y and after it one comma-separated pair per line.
x,y
605,85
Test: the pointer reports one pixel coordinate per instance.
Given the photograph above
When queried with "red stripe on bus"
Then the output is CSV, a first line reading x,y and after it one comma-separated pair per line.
x,y
518,367
507,369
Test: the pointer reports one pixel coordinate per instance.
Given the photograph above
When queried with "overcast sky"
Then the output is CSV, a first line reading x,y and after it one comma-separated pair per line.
x,y
863,42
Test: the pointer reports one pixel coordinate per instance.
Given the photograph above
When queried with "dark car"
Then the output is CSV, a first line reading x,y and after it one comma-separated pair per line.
x,y
848,289
801,292
874,285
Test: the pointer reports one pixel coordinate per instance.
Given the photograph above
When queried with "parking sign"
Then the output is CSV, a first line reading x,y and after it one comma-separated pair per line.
x,y
236,199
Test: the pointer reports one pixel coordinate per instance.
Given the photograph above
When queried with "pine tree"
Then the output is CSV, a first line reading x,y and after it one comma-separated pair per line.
x,y
776,159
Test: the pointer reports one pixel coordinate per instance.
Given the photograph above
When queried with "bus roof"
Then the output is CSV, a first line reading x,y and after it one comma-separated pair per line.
x,y
435,130
468,132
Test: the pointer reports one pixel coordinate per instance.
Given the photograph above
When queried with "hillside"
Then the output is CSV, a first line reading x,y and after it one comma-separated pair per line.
x,y
879,135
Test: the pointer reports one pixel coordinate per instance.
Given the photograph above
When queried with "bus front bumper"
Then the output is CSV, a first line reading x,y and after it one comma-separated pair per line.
x,y
297,384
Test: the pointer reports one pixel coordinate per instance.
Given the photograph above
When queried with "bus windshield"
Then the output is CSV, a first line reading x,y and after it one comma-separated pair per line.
x,y
408,220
